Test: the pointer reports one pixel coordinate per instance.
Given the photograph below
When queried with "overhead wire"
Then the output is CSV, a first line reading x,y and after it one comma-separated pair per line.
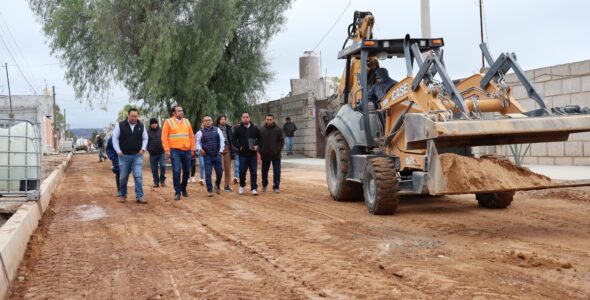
x,y
18,50
333,25
15,60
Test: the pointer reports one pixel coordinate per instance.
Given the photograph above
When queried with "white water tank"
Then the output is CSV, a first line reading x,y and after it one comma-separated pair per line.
x,y
309,65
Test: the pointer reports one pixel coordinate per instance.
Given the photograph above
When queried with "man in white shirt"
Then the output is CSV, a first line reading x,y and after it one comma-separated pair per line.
x,y
130,141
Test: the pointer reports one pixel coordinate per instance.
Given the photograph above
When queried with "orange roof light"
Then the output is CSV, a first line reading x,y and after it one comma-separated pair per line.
x,y
369,43
437,42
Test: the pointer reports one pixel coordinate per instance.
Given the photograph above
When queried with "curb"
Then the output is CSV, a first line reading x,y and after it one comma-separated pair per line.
x,y
16,232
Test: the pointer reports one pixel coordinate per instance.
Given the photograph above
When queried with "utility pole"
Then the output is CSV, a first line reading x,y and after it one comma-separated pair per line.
x,y
54,120
481,31
425,18
11,115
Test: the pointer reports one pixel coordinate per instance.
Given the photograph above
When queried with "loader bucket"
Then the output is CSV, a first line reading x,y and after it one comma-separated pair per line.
x,y
479,132
454,174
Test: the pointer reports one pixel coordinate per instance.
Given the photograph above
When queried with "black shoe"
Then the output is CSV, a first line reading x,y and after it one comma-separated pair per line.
x,y
227,188
184,193
156,185
217,190
163,183
177,197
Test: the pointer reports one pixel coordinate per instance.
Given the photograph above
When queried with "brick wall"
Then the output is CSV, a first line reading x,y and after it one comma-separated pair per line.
x,y
560,85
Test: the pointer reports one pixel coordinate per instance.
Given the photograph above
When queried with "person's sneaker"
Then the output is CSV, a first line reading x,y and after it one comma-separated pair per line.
x,y
264,189
201,181
254,192
217,190
141,201
192,179
163,183
122,199
209,194
227,188
184,193
156,185
241,190
177,197
276,191
235,180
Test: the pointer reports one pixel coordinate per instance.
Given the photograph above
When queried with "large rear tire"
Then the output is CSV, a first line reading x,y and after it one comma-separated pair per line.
x,y
337,151
380,185
495,200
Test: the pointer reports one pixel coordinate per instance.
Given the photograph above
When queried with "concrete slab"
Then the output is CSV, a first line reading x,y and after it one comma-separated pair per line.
x,y
553,172
562,172
16,232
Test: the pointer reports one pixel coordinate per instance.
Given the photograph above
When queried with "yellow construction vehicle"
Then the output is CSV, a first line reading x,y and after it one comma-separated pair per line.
x,y
378,153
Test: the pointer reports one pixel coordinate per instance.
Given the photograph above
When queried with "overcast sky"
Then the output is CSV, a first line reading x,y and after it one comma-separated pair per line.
x,y
541,33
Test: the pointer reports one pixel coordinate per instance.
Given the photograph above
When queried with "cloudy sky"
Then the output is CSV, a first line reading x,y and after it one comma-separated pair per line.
x,y
541,33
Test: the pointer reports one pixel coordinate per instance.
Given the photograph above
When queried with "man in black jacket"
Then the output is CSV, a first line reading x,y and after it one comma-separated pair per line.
x,y
246,139
270,151
157,155
289,129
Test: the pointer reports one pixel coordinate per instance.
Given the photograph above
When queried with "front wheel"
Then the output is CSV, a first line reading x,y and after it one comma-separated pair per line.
x,y
380,186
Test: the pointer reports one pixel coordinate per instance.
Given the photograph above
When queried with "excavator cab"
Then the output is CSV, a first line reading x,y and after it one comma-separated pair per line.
x,y
419,139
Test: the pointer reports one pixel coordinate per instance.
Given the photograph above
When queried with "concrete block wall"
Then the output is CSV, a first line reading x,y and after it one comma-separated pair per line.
x,y
560,85
295,107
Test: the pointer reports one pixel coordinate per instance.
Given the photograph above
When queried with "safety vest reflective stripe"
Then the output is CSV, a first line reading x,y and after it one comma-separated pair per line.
x,y
179,135
171,122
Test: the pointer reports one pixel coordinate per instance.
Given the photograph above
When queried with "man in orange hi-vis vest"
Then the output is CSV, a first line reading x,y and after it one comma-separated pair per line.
x,y
178,141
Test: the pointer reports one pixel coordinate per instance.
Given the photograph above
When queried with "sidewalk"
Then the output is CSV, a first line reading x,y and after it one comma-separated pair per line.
x,y
553,172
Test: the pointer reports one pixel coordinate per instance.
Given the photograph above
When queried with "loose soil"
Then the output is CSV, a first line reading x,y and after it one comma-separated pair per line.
x,y
300,244
469,174
50,162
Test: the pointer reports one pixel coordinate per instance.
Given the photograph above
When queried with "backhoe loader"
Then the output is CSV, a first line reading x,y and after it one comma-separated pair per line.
x,y
379,153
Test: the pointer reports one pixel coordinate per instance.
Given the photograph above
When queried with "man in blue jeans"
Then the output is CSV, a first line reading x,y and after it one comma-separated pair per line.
x,y
210,143
246,139
270,152
289,129
130,140
178,141
157,155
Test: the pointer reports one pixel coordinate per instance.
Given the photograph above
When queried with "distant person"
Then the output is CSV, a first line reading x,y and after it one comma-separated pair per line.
x,y
270,151
226,156
246,139
157,155
112,155
383,85
210,143
100,145
289,129
130,141
178,141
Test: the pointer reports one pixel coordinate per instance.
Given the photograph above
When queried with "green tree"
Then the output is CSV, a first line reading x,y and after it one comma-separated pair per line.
x,y
205,55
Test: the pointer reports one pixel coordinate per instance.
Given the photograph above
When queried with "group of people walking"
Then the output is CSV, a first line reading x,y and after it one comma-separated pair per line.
x,y
217,144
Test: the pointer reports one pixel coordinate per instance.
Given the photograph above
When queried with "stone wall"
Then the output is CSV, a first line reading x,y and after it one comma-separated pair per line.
x,y
560,85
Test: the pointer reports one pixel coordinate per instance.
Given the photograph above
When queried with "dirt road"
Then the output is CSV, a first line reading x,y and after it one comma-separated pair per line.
x,y
301,244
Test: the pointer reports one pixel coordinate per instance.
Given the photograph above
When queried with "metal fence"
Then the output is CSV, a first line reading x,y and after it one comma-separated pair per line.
x,y
20,159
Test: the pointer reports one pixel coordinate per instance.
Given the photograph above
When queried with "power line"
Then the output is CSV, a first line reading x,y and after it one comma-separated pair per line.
x,y
333,25
15,43
10,51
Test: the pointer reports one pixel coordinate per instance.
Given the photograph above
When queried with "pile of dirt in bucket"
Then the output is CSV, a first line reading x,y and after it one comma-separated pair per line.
x,y
468,174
